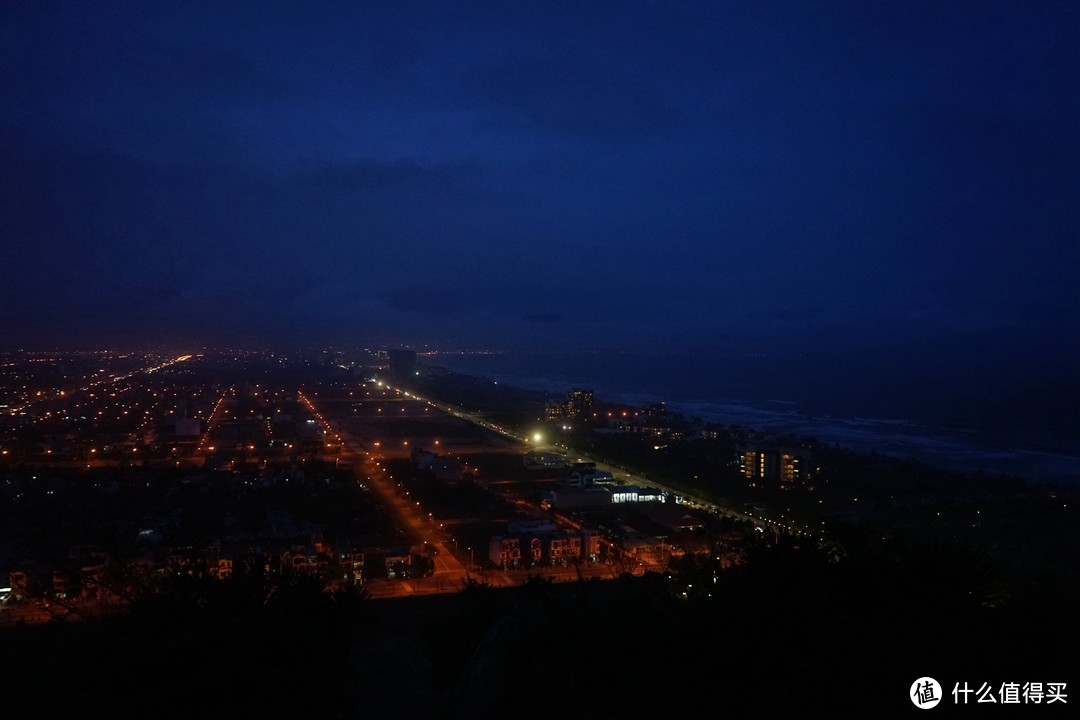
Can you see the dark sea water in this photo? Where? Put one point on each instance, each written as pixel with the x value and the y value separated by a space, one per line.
pixel 997 417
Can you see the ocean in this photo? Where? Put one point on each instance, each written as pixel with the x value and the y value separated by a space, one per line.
pixel 1012 421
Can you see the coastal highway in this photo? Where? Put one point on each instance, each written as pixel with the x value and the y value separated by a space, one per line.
pixel 459 413
pixel 621 473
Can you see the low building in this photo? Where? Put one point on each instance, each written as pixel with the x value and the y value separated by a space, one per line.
pixel 505 551
pixel 590 544
pixel 585 474
pixel 538 460
pixel 634 494
pixel 535 547
pixel 351 564
pixel 563 547
pixel 644 549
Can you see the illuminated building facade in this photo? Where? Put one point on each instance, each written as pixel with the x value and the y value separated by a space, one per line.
pixel 579 403
pixel 777 466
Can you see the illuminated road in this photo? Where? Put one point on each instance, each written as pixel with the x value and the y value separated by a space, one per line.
pixel 407 513
pixel 411 517
pixel 211 424
pixel 369 464
pixel 617 472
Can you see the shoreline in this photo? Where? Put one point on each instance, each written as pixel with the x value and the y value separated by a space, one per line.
pixel 955 449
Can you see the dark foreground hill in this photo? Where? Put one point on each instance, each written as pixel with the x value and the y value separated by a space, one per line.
pixel 793 630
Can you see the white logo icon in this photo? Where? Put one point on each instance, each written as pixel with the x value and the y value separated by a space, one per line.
pixel 925 693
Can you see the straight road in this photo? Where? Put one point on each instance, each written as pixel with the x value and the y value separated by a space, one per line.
pixel 617 472
pixel 407 513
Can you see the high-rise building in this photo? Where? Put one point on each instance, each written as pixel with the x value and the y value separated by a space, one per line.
pixel 781 466
pixel 579 403
pixel 555 410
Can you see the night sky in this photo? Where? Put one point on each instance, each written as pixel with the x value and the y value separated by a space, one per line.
pixel 527 173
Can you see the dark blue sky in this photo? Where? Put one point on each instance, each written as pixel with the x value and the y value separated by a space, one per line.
pixel 622 174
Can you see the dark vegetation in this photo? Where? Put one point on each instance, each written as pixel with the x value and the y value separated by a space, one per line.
pixel 794 629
